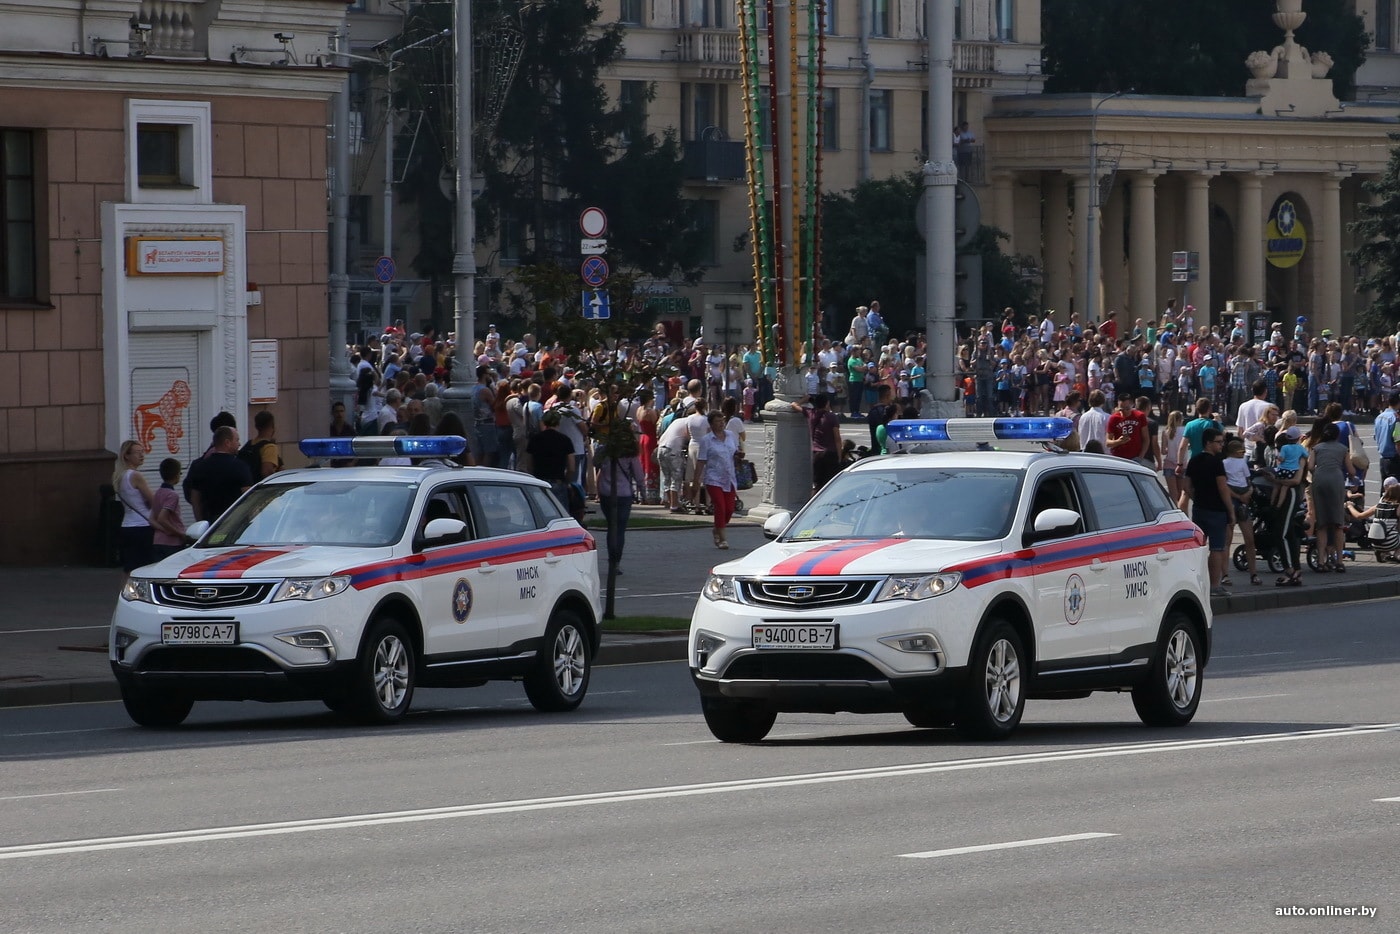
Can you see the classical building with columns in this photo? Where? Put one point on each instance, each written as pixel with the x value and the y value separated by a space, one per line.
pixel 1261 187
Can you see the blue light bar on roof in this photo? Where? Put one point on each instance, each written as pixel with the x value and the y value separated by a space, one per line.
pixel 915 431
pixel 385 446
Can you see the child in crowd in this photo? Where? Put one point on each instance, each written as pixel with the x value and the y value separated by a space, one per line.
pixel 169 526
pixel 750 394
pixel 1290 462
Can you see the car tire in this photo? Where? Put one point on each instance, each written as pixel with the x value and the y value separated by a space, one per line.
pixel 385 675
pixel 157 711
pixel 927 719
pixel 737 721
pixel 994 697
pixel 1171 692
pixel 558 680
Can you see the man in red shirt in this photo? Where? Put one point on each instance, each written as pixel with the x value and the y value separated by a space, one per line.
pixel 1127 430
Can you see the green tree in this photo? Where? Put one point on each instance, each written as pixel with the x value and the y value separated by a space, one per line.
pixel 1378 230
pixel 871 248
pixel 558 144
pixel 1191 47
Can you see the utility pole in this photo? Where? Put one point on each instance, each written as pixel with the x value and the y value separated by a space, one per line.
pixel 940 174
pixel 342 383
pixel 458 397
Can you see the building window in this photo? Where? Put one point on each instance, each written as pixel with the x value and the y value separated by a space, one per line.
pixel 18 236
pixel 1006 20
pixel 632 101
pixel 879 17
pixel 702 109
pixel 881 109
pixel 831 119
pixel 707 223
pixel 829 18
pixel 168 152
pixel 158 163
pixel 631 12
pixel 1385 25
pixel 957 19
pixel 708 13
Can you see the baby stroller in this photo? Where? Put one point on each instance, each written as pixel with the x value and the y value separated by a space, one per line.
pixel 1358 535
pixel 1267 546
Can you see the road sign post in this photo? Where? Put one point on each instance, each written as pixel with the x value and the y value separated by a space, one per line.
pixel 597 305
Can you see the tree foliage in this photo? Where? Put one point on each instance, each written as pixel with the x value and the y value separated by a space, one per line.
pixel 559 145
pixel 1190 47
pixel 1378 230
pixel 871 249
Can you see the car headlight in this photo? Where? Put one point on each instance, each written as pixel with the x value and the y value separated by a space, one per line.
pixel 311 588
pixel 721 587
pixel 918 588
pixel 137 590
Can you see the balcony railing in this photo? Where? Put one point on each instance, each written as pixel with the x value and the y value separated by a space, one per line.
pixel 974 56
pixel 971 160
pixel 714 160
pixel 709 46
pixel 177 27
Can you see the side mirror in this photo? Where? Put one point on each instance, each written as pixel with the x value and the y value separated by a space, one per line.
pixel 1051 521
pixel 774 525
pixel 439 530
pixel 197 530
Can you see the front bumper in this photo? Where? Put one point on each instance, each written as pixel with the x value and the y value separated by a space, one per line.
pixel 259 666
pixel 873 693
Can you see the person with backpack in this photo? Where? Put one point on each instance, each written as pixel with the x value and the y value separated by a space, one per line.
pixel 260 454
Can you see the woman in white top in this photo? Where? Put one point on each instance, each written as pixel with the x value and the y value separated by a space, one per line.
pixel 716 467
pixel 137 534
pixel 1167 443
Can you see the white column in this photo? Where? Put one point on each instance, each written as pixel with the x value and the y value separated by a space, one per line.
pixel 1198 239
pixel 1084 291
pixel 1327 284
pixel 1249 237
pixel 1110 251
pixel 1142 258
pixel 1055 237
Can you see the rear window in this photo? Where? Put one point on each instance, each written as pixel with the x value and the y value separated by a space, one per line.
pixel 1114 499
pixel 1153 495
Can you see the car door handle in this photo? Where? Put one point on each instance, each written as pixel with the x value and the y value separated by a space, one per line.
pixel 551 558
pixel 1163 554
pixel 1097 566
pixel 485 568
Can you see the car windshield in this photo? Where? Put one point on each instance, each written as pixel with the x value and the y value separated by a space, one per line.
pixel 960 504
pixel 328 512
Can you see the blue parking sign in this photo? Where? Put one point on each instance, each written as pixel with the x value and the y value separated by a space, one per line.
pixel 596 306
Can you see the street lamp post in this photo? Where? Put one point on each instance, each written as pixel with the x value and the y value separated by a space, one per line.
pixel 458 397
pixel 1091 272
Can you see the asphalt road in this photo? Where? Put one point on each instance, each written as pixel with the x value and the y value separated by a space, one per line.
pixel 481 815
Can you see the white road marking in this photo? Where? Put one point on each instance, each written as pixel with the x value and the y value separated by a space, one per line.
pixel 59 794
pixel 1251 655
pixel 602 693
pixel 693 742
pixel 320 824
pixel 1221 700
pixel 100 729
pixel 1014 844
pixel 678 593
pixel 16 632
pixel 1387 800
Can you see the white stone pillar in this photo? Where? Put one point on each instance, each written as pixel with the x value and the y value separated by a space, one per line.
pixel 1055 237
pixel 1110 250
pixel 1198 239
pixel 1083 290
pixel 1142 258
pixel 1249 237
pixel 1327 283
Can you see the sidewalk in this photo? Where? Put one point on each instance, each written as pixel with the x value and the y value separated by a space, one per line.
pixel 54 627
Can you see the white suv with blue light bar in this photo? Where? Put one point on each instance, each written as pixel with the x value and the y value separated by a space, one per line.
pixel 357 585
pixel 952 585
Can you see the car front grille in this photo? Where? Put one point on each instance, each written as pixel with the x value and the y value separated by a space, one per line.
pixel 209 595
pixel 199 659
pixel 802 666
pixel 806 593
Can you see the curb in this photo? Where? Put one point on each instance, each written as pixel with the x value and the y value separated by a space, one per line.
pixel 662 648
pixel 671 648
